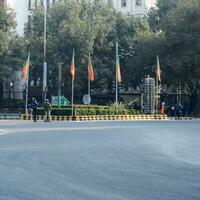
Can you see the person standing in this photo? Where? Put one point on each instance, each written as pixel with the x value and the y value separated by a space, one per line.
pixel 178 110
pixel 34 106
pixel 47 108
pixel 162 108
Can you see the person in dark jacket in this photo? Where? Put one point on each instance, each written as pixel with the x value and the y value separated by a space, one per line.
pixel 178 110
pixel 34 106
pixel 47 108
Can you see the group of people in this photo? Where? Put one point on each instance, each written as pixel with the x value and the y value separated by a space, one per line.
pixel 175 110
pixel 47 109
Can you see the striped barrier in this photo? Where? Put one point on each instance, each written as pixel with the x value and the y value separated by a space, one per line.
pixel 98 117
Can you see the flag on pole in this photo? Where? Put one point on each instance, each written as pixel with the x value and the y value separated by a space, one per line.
pixel 72 70
pixel 118 72
pixel 90 69
pixel 26 68
pixel 158 72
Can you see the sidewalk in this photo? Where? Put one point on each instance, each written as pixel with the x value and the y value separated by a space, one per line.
pixel 184 118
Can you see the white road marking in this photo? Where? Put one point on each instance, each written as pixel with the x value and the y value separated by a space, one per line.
pixel 50 129
pixel 3 132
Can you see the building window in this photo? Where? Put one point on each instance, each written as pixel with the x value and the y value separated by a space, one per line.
pixel 32 4
pixel 41 2
pixel 29 5
pixel 47 1
pixel 138 2
pixel 36 4
pixel 123 3
pixel 110 2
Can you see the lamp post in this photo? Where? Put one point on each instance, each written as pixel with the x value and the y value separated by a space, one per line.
pixel 59 82
pixel 11 90
pixel 45 49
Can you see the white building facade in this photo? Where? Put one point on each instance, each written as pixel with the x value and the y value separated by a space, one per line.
pixel 133 7
pixel 23 8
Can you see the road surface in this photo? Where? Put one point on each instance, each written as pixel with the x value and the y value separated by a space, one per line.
pixel 149 160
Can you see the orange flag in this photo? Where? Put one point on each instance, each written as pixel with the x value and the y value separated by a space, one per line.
pixel 118 71
pixel 90 69
pixel 158 72
pixel 26 69
pixel 72 70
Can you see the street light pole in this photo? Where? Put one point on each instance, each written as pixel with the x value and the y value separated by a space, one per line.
pixel 45 49
pixel 59 83
pixel 116 84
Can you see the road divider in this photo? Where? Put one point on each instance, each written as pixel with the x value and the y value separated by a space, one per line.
pixel 98 117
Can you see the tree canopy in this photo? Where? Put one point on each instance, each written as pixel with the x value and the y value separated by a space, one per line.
pixel 170 30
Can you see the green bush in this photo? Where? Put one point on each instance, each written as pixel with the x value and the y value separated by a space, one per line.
pixel 113 109
pixel 12 104
pixel 118 109
pixel 55 111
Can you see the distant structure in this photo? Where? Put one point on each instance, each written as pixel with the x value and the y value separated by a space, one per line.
pixel 23 8
pixel 2 2
pixel 149 96
pixel 133 7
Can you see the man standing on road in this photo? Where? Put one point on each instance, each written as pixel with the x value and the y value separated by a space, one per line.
pixel 34 106
pixel 178 110
pixel 47 108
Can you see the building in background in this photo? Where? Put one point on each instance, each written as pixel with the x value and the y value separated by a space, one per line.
pixel 23 8
pixel 133 7
pixel 2 2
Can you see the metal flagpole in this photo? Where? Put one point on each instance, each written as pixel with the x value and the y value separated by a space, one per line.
pixel 27 82
pixel 156 99
pixel 89 77
pixel 72 97
pixel 26 109
pixel 45 49
pixel 88 84
pixel 116 95
pixel 59 83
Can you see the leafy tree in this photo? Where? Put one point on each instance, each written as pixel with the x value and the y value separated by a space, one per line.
pixel 11 46
pixel 178 22
pixel 69 26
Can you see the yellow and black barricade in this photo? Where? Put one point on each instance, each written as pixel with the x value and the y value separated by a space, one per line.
pixel 97 117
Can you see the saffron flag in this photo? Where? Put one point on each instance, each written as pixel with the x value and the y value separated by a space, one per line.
pixel 118 72
pixel 72 70
pixel 158 72
pixel 90 69
pixel 26 69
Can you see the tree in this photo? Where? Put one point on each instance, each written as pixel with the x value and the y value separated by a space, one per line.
pixel 11 46
pixel 69 26
pixel 178 21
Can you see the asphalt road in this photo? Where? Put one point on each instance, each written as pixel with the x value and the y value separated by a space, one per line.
pixel 100 160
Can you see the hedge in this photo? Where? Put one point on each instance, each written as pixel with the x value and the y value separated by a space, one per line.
pixel 89 111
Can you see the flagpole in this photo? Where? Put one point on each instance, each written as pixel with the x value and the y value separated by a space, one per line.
pixel 88 84
pixel 89 77
pixel 156 99
pixel 27 83
pixel 116 89
pixel 45 50
pixel 26 106
pixel 157 84
pixel 72 70
pixel 72 97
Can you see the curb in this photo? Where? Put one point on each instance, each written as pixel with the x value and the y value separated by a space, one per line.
pixel 183 118
pixel 98 117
